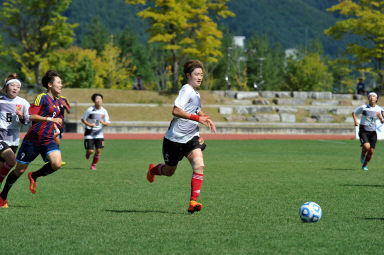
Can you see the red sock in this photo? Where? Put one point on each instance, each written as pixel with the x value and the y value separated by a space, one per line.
pixel 156 170
pixel 197 180
pixel 368 158
pixel 95 159
pixel 4 170
pixel 363 152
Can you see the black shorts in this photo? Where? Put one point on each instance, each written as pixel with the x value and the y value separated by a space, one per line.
pixel 173 152
pixel 368 137
pixel 4 146
pixel 90 144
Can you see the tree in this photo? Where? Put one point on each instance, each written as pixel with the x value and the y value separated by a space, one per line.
pixel 308 73
pixel 364 19
pixel 185 29
pixel 96 37
pixel 37 29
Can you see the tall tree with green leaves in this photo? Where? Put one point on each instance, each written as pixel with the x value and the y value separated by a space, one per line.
pixel 96 37
pixel 37 28
pixel 364 18
pixel 185 28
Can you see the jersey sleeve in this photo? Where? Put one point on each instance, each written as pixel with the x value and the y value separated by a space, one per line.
pixel 183 98
pixel 86 114
pixel 106 117
pixel 37 104
pixel 26 107
pixel 359 109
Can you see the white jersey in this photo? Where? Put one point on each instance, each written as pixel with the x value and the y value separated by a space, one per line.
pixel 93 115
pixel 10 123
pixel 182 130
pixel 368 116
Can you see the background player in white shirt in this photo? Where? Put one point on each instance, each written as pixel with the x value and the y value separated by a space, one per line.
pixel 182 138
pixel 95 118
pixel 13 114
pixel 367 128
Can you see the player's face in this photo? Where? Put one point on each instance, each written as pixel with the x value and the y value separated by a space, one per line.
pixel 13 90
pixel 56 86
pixel 195 78
pixel 372 99
pixel 98 101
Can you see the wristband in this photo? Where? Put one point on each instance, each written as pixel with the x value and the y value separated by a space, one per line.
pixel 49 119
pixel 194 117
pixel 57 131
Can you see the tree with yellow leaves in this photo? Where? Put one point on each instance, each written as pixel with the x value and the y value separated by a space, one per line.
pixel 186 29
pixel 364 18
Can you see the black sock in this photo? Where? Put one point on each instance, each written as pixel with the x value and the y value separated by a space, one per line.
pixel 45 170
pixel 11 179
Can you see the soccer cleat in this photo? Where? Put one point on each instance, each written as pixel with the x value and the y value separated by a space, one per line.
pixel 93 167
pixel 194 206
pixel 63 163
pixel 32 183
pixel 150 177
pixel 362 159
pixel 365 168
pixel 3 203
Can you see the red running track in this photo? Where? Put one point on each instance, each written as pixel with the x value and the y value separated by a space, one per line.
pixel 126 136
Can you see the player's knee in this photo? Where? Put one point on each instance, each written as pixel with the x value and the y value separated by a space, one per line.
pixel 56 165
pixel 198 165
pixel 11 162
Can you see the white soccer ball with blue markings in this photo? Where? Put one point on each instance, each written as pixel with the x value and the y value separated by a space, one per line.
pixel 310 212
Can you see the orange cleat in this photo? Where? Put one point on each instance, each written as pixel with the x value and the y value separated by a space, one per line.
pixel 3 203
pixel 32 183
pixel 150 177
pixel 194 206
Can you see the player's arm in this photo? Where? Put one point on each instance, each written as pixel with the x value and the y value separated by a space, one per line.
pixel 355 119
pixel 67 107
pixel 205 120
pixel 87 123
pixel 38 118
pixel 380 116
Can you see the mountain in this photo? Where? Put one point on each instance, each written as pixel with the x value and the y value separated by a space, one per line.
pixel 291 23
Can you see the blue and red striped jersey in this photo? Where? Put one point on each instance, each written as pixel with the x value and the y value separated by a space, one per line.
pixel 41 133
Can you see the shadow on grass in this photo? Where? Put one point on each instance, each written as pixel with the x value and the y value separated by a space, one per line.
pixel 363 185
pixel 339 169
pixel 73 168
pixel 371 218
pixel 142 211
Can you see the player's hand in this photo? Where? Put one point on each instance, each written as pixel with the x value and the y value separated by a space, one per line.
pixel 206 121
pixel 20 114
pixel 57 121
pixel 92 125
pixel 103 123
pixel 356 124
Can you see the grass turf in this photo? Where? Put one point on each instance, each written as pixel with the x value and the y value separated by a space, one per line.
pixel 251 193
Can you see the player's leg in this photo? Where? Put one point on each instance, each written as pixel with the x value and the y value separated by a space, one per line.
pixel 370 147
pixel 9 160
pixel 99 144
pixel 195 157
pixel 172 154
pixel 52 156
pixel 11 179
pixel 88 145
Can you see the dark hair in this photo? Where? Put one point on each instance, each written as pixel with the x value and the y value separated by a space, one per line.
pixel 192 65
pixel 96 95
pixel 49 77
pixel 11 76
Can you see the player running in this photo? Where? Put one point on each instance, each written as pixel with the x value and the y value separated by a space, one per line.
pixel 40 137
pixel 13 114
pixel 182 138
pixel 367 129
pixel 94 119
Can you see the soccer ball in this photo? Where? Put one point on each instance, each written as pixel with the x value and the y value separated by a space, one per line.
pixel 310 212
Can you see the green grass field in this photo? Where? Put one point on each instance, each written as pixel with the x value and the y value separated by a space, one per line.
pixel 252 192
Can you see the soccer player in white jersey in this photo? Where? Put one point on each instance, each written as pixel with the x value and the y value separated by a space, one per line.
pixel 13 114
pixel 182 138
pixel 367 128
pixel 94 119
